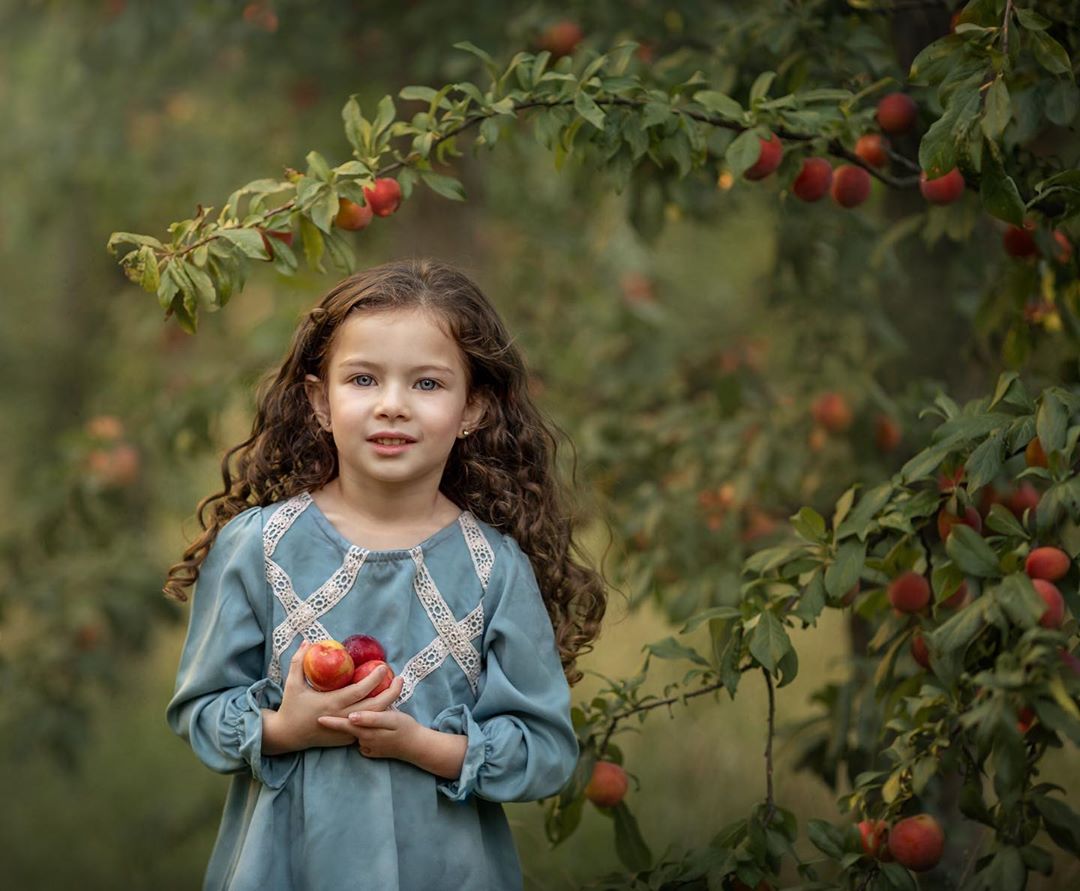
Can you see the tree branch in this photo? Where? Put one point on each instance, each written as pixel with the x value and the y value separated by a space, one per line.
pixel 769 801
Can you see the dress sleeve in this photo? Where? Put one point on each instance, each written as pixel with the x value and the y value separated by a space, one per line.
pixel 521 741
pixel 220 684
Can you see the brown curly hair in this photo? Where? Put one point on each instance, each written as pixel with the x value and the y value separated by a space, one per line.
pixel 504 473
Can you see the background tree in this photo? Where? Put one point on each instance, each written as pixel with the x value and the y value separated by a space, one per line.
pixel 710 327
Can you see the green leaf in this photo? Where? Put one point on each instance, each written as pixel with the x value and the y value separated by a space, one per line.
pixel 999 194
pixel 588 109
pixel 1062 102
pixel 811 601
pixel 937 150
pixel 828 839
pixel 1001 519
pixel 933 62
pixel 325 209
pixel 760 87
pixel 954 635
pixel 844 571
pixel 447 186
pixel 489 63
pixel 670 648
pixel 249 241
pixel 312 239
pixel 1051 422
pixel 1049 53
pixel 150 277
pixel 1031 19
pixel 1019 599
pixel 971 553
pixel 418 94
pixel 118 238
pixel 317 166
pixel 357 130
pixel 809 524
pixel 843 507
pixel 1061 821
pixel 743 152
pixel 985 462
pixel 769 641
pixel 629 843
pixel 996 110
pixel 707 615
pixel 859 520
pixel 720 103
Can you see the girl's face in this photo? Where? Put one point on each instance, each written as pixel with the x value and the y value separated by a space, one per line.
pixel 395 398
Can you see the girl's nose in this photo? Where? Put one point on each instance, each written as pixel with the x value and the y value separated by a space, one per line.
pixel 393 403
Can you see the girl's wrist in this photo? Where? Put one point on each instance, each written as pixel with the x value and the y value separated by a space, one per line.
pixel 272 732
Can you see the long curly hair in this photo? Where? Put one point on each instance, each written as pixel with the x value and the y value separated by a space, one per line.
pixel 504 473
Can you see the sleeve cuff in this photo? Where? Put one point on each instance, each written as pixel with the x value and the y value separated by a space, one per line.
pixel 458 719
pixel 270 770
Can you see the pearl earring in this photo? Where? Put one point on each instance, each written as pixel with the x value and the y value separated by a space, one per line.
pixel 464 432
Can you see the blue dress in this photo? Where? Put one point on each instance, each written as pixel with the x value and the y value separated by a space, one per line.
pixel 462 620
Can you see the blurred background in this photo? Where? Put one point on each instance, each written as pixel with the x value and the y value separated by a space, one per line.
pixel 673 306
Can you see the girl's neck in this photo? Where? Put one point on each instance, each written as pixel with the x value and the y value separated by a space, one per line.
pixel 362 506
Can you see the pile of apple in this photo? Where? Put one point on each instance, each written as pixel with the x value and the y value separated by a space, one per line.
pixel 330 665
pixel 914 842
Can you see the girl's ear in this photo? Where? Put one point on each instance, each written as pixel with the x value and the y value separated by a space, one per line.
pixel 320 405
pixel 476 412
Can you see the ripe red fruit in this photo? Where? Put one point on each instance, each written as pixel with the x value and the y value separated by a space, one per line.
pixel 1070 661
pixel 896 113
pixel 384 198
pixel 362 671
pixel 947 481
pixel 1054 614
pixel 285 236
pixel 327 666
pixel 352 216
pixel 917 842
pixel 363 648
pixel 874 835
pixel 561 38
pixel 909 592
pixel 608 784
pixel 1023 497
pixel 105 427
pixel 850 185
pixel 920 650
pixel 813 180
pixel 873 149
pixel 886 433
pixel 946 521
pixel 772 150
pixel 831 411
pixel 1047 563
pixel 1064 254
pixel 116 466
pixel 1019 242
pixel 1026 718
pixel 942 189
pixel 1034 455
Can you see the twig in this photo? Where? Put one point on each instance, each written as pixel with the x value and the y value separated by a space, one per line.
pixel 1005 29
pixel 770 803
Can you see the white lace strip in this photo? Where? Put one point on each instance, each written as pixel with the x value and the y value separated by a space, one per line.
pixel 435 653
pixel 282 519
pixel 447 627
pixel 483 557
pixel 302 616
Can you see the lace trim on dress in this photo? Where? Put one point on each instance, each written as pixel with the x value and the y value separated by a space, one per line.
pixel 452 634
pixel 435 653
pixel 483 557
pixel 302 616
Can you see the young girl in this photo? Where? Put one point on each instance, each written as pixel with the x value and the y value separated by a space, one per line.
pixel 398 482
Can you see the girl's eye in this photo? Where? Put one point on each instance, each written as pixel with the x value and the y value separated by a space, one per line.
pixel 426 383
pixel 365 380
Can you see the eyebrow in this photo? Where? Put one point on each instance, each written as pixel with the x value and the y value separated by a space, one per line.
pixel 375 366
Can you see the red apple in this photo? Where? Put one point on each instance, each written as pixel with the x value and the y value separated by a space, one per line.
pixel 1047 563
pixel 1064 252
pixel 117 466
pixel 909 592
pixel 106 427
pixel 813 180
pixel 1019 242
pixel 384 198
pixel 608 784
pixel 917 842
pixel 352 216
pixel 362 671
pixel 944 189
pixel 1054 614
pixel 1026 718
pixel 873 149
pixel 1035 455
pixel 887 433
pixel 919 649
pixel 769 157
pixel 363 648
pixel 896 113
pixel 1023 497
pixel 831 411
pixel 958 598
pixel 946 521
pixel 874 835
pixel 327 665
pixel 850 185
pixel 561 38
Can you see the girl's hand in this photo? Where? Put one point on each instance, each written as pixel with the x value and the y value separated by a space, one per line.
pixel 295 725
pixel 380 734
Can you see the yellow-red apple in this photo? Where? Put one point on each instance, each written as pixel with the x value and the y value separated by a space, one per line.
pixel 352 216
pixel 384 197
pixel 327 665
pixel 769 155
pixel 1047 563
pixel 608 784
pixel 917 842
pixel 1054 614
pixel 362 671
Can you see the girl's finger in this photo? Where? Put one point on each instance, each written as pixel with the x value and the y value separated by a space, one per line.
pixel 332 723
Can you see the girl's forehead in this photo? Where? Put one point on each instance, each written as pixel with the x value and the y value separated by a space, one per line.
pixel 394 334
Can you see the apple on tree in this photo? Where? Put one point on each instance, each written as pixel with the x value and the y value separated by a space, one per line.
pixel 608 784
